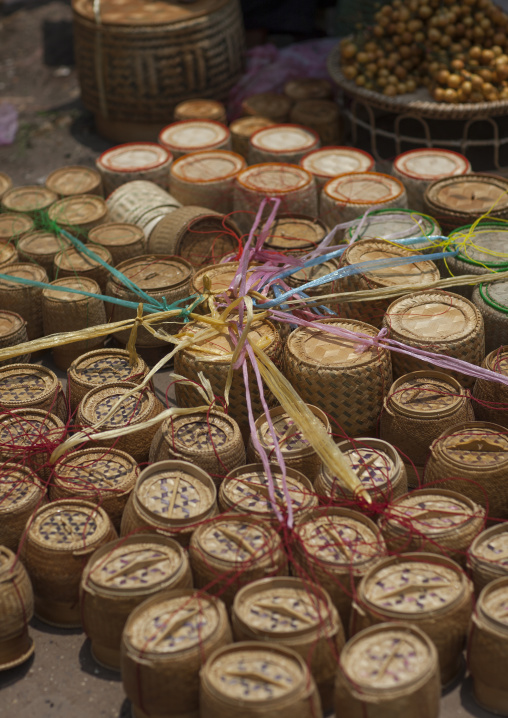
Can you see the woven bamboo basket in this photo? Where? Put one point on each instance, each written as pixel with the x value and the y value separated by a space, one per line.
pixel 67 311
pixel 294 613
pixel 490 398
pixel 417 274
pixel 24 299
pixel 164 278
pixel 60 538
pixel 297 451
pixel 322 116
pixel 439 322
pixel 348 386
pixel 8 256
pixel 334 547
pixel 134 161
pixel 170 498
pixel 5 183
pixel 488 647
pixel 189 136
pixel 31 200
pixel 17 608
pixel 206 179
pixel 103 477
pixel 215 366
pixel 99 367
pixel 378 467
pixel 491 301
pixel 432 520
pixel 487 557
pixel 12 332
pixel 200 110
pixel 14 225
pixel 200 236
pixel 308 88
pixel 348 196
pixel 294 234
pixel 246 491
pixel 21 493
pixel 142 203
pixel 456 201
pixel 294 186
pixel 277 684
pixel 442 609
pixel 122 240
pixel 72 263
pixel 30 386
pixel 42 247
pixel 471 458
pixel 419 407
pixel 242 130
pixel 417 169
pixel 210 440
pixel 119 577
pixel 394 224
pixel 271 105
pixel 219 278
pixel 79 213
pixel 281 143
pixel 482 249
pixel 134 409
pixel 388 671
pixel 180 52
pixel 308 274
pixel 75 179
pixel 165 643
pixel 329 161
pixel 231 551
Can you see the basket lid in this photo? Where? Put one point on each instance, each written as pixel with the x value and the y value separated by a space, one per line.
pixel 291 232
pixel 26 383
pixel 14 225
pixel 469 195
pixel 137 12
pixel 375 463
pixel 290 439
pixel 497 360
pixel 388 657
pixel 104 366
pixel 8 255
pixel 307 274
pixel 28 199
pixel 69 525
pixel 237 540
pixel 395 224
pixel 431 164
pixel 200 110
pixel 323 349
pixel 280 139
pixel 491 548
pixel 72 260
pixel 193 135
pixel 432 512
pixel 220 348
pixel 485 245
pixel 328 162
pixel 202 432
pixel 116 234
pixel 274 177
pixel 10 323
pixel 154 273
pixel 493 604
pixel 364 188
pixel 73 180
pixel 433 317
pixel 496 294
pixel 212 166
pixel 475 444
pixel 58 295
pixel 246 126
pixel 20 489
pixel 5 183
pixel 419 273
pixel 88 471
pixel 24 270
pixel 78 209
pixel 134 157
pixel 220 276
pixel 308 88
pixel 25 427
pixel 425 395
pixel 133 409
pixel 44 244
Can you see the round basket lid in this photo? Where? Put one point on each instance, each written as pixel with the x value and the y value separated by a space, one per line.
pixel 69 525
pixel 58 295
pixel 246 490
pixel 133 410
pixel 491 548
pixel 395 224
pixel 376 466
pixel 26 427
pixel 26 383
pixel 425 395
pixel 90 471
pixel 193 135
pixel 493 604
pixel 289 437
pixel 329 162
pixel 220 276
pixel 418 274
pixel 136 12
pixel 498 361
pixel 237 540
pixel 8 255
pixel 486 245
pixel 105 366
pixel 20 489
pixel 408 587
pixel 28 199
pixel 295 233
pixel 323 349
pixel 43 244
pixel 14 225
pixel 280 139
pixel 432 512
pixel 496 294
pixel 364 188
pixel 203 167
pixel 221 347
pixel 388 657
pixel 134 157
pixel 274 177
pixel 201 432
pixel 116 234
pixel 73 180
pixel 470 195
pixel 10 323
pixel 71 260
pixel 246 126
pixel 135 564
pixel 26 271
pixel 154 273
pixel 78 209
pixel 200 110
pixel 475 445
pixel 431 164
pixel 5 183
pixel 307 274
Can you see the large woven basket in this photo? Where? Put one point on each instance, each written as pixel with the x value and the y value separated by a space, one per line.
pixel 30 386
pixel 16 610
pixel 14 225
pixel 491 397
pixel 12 332
pixel 24 299
pixel 282 143
pixel 42 247
pixel 492 302
pixel 21 493
pixel 487 556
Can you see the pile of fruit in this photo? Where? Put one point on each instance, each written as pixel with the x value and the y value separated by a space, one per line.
pixel 459 51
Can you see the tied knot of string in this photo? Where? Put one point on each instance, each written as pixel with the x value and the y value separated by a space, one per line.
pixel 374 341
